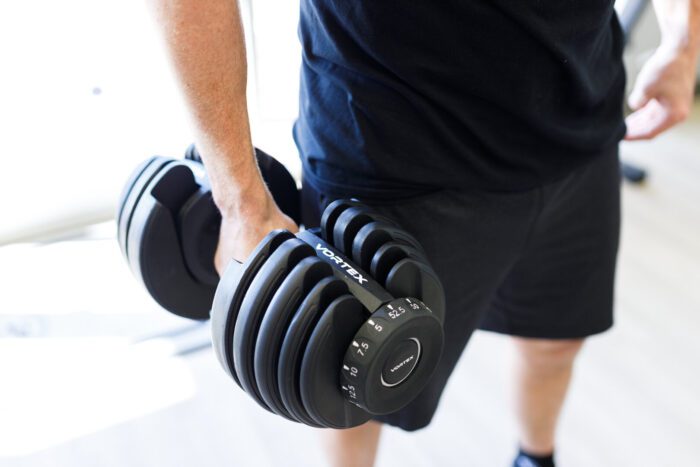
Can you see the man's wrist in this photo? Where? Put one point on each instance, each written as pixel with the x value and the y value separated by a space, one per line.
pixel 682 45
pixel 248 200
pixel 237 185
pixel 680 27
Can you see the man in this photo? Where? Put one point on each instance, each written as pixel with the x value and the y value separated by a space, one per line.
pixel 489 129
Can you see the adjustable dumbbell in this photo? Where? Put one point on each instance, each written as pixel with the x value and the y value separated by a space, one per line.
pixel 168 227
pixel 327 328
pixel 311 336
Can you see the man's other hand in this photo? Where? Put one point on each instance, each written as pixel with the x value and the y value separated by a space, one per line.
pixel 663 93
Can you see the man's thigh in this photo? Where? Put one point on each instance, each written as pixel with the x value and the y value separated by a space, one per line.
pixel 561 286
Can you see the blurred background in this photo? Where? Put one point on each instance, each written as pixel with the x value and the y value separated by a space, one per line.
pixel 93 373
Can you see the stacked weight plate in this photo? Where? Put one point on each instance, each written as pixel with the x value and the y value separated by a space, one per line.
pixel 314 337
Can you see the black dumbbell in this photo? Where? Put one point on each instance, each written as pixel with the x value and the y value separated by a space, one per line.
pixel 168 227
pixel 313 337
pixel 327 327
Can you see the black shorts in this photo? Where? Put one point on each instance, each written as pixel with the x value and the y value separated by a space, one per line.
pixel 538 263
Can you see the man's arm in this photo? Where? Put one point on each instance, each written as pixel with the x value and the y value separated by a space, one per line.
pixel 663 93
pixel 206 45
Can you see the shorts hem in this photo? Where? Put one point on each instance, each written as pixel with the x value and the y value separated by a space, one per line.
pixel 551 333
pixel 403 425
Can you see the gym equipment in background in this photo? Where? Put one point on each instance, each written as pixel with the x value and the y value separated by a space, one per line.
pixel 327 327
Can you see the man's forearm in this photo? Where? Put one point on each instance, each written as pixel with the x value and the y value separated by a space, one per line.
pixel 679 21
pixel 206 44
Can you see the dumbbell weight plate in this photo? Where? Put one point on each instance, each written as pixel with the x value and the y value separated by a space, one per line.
pixel 375 234
pixel 296 339
pixel 153 246
pixel 133 190
pixel 389 255
pixel 200 223
pixel 330 216
pixel 349 224
pixel 411 278
pixel 192 154
pixel 274 323
pixel 229 295
pixel 129 185
pixel 255 302
pixel 321 365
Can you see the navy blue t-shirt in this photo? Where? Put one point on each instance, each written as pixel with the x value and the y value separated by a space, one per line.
pixel 400 97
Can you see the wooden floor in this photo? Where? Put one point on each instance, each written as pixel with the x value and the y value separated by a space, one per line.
pixel 93 374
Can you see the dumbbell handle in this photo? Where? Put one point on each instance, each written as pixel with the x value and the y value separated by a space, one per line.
pixel 367 290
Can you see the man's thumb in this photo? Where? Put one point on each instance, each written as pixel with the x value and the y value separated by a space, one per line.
pixel 639 97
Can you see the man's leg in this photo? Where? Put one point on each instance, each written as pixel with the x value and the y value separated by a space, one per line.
pixel 354 447
pixel 543 372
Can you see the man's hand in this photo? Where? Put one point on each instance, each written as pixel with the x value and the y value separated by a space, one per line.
pixel 241 233
pixel 663 93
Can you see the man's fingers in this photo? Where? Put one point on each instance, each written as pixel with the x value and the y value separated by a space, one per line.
pixel 649 121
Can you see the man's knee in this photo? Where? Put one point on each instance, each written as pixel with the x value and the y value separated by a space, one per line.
pixel 547 355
